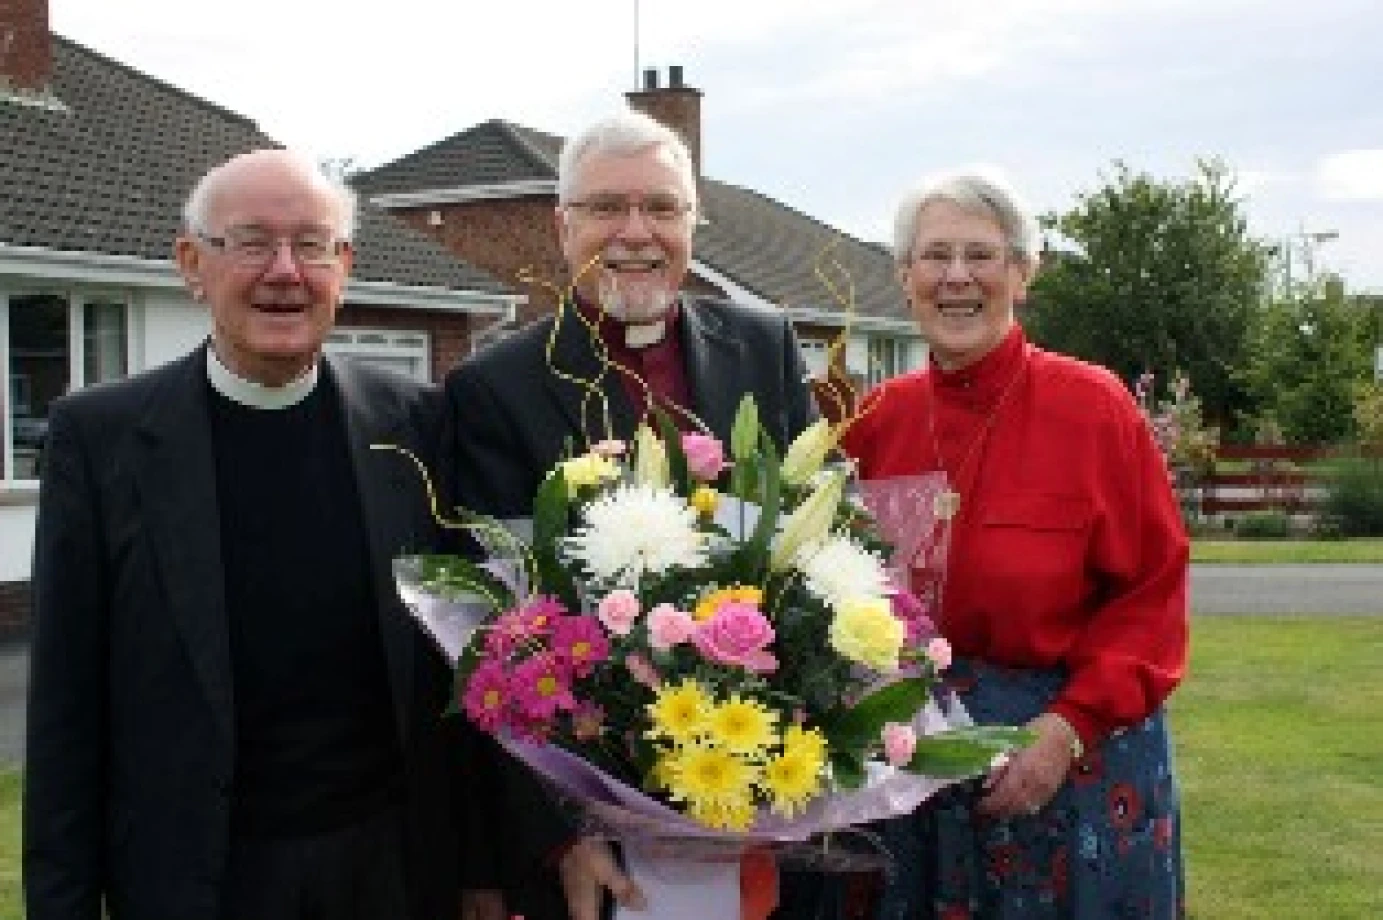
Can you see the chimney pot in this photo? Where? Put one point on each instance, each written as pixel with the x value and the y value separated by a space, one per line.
pixel 650 78
pixel 674 76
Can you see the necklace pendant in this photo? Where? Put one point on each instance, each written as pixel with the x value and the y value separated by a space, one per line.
pixel 946 504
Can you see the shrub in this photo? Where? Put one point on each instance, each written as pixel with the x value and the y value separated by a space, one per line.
pixel 1354 499
pixel 1271 524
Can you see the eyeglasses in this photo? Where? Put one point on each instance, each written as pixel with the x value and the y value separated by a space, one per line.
pixel 254 248
pixel 979 261
pixel 660 209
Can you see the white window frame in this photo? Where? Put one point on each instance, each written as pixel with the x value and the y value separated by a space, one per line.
pixel 76 354
pixel 390 344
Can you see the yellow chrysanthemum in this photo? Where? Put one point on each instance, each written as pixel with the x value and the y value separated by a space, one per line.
pixel 734 815
pixel 705 500
pixel 705 773
pixel 792 780
pixel 808 742
pixel 742 726
pixel 679 712
pixel 711 602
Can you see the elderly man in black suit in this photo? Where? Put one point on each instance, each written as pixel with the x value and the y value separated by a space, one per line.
pixel 627 207
pixel 231 715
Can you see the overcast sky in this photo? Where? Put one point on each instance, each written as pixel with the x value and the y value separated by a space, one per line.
pixel 833 108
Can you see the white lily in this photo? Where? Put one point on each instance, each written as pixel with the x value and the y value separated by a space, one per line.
pixel 810 522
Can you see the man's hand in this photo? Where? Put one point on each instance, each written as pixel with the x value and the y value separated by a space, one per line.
pixel 482 904
pixel 588 867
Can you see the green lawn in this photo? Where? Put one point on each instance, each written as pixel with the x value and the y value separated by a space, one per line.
pixel 1271 551
pixel 1279 734
pixel 9 845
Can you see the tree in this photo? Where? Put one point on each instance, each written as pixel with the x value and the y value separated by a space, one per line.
pixel 1308 355
pixel 1166 277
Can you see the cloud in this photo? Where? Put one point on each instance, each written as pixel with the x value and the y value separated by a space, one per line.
pixel 1351 175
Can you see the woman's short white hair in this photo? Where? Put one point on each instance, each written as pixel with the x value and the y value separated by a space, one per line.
pixel 196 211
pixel 977 190
pixel 623 134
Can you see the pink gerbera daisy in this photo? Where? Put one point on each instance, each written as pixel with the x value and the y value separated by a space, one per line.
pixel 540 688
pixel 485 696
pixel 579 643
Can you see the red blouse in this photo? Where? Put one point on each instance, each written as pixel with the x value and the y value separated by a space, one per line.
pixel 1068 549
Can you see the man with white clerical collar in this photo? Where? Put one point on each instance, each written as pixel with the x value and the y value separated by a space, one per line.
pixel 231 715
pixel 626 211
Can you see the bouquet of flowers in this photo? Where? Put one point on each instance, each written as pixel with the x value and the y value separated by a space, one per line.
pixel 704 648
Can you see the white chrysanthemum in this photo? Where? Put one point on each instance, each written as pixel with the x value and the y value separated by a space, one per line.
pixel 635 530
pixel 838 568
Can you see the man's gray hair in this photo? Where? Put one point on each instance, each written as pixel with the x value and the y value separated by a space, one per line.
pixel 196 211
pixel 977 190
pixel 623 134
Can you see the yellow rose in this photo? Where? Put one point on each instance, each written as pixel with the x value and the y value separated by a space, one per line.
pixel 587 470
pixel 865 630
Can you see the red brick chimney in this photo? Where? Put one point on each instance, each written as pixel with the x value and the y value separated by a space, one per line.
pixel 677 105
pixel 26 48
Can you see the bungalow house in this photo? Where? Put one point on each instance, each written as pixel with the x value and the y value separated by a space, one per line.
pixel 95 161
pixel 487 193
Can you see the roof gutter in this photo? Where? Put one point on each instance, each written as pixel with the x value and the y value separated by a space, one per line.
pixel 60 267
pixel 521 188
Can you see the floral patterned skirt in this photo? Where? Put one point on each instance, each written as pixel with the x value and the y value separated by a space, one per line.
pixel 1107 847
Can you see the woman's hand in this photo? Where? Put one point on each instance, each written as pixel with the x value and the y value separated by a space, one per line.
pixel 1029 779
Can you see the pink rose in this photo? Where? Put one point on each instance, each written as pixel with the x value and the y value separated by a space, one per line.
pixel 705 456
pixel 642 670
pixel 939 652
pixel 737 635
pixel 899 743
pixel 668 626
pixel 618 610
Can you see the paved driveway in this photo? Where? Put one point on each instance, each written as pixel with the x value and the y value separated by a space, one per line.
pixel 1277 589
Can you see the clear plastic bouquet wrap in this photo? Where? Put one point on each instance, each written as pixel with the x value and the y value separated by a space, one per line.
pixel 705 652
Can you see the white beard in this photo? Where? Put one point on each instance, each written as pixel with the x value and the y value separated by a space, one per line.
pixel 634 302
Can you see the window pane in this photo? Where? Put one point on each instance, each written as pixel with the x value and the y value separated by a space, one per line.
pixel 38 373
pixel 103 335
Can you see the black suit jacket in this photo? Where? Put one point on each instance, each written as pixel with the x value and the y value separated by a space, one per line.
pixel 130 748
pixel 512 418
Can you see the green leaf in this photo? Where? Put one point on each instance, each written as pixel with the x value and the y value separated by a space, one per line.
pixel 550 510
pixel 770 504
pixel 861 725
pixel 847 770
pixel 676 456
pixel 744 435
pixel 965 751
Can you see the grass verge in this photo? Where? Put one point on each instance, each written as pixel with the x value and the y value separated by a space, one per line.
pixel 1284 551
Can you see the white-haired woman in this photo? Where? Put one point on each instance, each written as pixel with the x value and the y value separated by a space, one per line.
pixel 1064 597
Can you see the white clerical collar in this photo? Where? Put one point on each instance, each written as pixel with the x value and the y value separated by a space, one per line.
pixel 642 335
pixel 256 395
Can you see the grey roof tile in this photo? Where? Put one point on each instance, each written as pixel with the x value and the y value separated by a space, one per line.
pixel 109 175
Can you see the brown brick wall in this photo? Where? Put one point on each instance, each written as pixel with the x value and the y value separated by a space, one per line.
pixel 26 52
pixel 450 333
pixel 506 238
pixel 14 610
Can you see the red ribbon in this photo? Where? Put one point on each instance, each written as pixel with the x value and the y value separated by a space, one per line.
pixel 758 885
